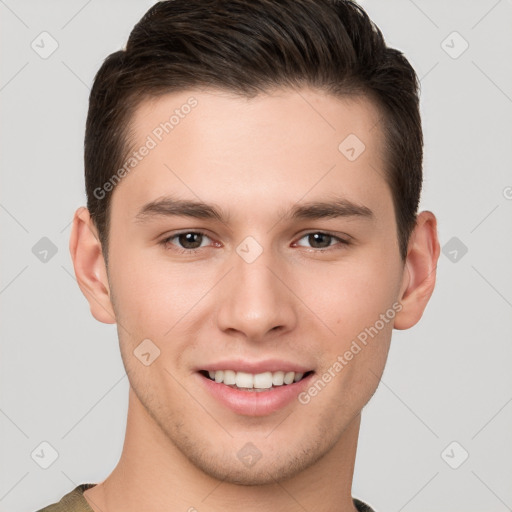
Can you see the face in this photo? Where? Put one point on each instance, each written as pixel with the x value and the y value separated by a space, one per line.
pixel 289 270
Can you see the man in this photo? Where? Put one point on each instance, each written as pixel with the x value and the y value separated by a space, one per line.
pixel 253 172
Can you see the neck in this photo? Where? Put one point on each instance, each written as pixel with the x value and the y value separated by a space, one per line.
pixel 152 474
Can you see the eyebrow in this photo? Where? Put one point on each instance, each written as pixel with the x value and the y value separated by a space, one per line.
pixel 169 207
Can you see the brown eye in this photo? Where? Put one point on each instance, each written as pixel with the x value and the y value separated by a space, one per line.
pixel 320 240
pixel 186 241
pixel 190 240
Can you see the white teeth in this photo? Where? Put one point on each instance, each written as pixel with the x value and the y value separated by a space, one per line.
pixel 244 380
pixel 263 380
pixel 229 377
pixel 278 378
pixel 288 377
pixel 259 381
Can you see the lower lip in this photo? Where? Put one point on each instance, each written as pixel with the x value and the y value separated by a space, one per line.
pixel 255 403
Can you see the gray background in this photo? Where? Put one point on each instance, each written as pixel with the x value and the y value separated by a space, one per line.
pixel 447 379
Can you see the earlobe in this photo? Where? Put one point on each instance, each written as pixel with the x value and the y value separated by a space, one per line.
pixel 420 271
pixel 89 265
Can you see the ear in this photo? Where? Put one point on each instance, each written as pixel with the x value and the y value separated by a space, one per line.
pixel 89 265
pixel 419 275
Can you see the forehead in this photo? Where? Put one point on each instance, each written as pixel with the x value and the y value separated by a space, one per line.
pixel 252 152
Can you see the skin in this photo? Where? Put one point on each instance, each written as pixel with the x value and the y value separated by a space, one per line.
pixel 300 301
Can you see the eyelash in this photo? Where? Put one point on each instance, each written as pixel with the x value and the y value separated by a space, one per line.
pixel 167 241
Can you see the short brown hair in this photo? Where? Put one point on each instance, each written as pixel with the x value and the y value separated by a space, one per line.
pixel 249 47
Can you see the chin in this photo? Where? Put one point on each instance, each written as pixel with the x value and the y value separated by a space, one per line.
pixel 270 468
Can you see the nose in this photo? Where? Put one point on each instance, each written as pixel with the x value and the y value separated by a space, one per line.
pixel 253 302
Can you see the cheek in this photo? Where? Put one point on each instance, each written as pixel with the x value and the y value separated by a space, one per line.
pixel 152 296
pixel 350 297
pixel 356 302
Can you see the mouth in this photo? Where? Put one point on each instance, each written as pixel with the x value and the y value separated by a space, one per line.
pixel 255 382
pixel 254 388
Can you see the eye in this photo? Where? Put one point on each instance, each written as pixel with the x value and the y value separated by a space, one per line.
pixel 186 241
pixel 320 240
pixel 191 241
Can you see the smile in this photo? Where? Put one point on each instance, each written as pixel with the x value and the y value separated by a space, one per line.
pixel 254 382
pixel 254 394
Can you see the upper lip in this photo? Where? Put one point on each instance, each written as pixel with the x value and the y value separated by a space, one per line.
pixel 255 367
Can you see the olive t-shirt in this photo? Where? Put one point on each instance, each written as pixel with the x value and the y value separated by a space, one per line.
pixel 74 501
